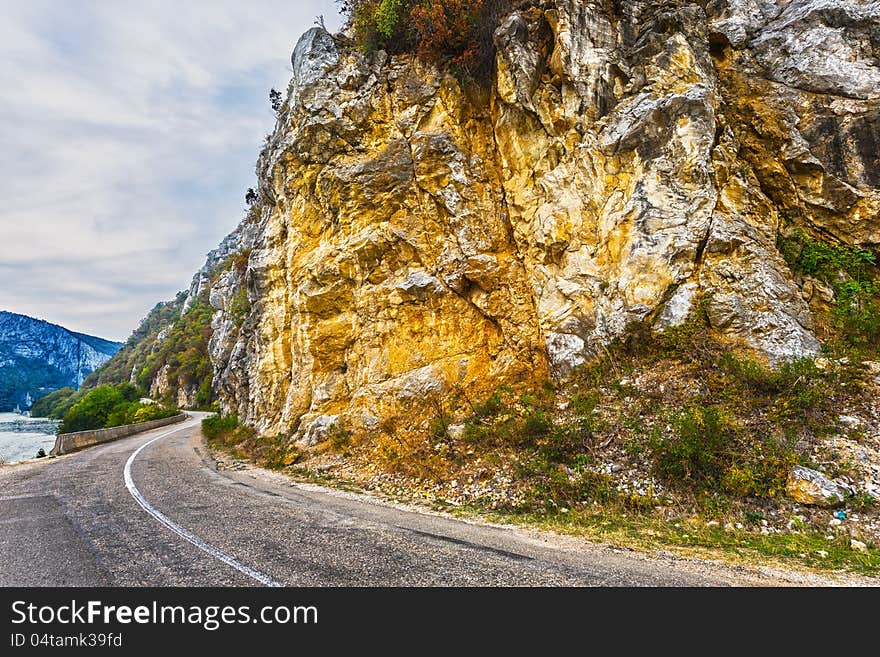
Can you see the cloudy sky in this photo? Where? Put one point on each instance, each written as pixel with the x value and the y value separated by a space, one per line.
pixel 129 135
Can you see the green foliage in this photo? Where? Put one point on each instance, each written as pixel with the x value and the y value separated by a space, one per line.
pixel 492 406
pixel 217 426
pixel 339 436
pixel 138 346
pixel 205 394
pixel 536 425
pixel 454 32
pixel 851 272
pixel 555 487
pixel 55 404
pixel 379 24
pixel 111 406
pixel 707 451
pixel 825 260
pixel 274 451
pixel 134 413
pixel 438 427
pixel 567 444
pixel 238 262
pixel 92 411
pixel 387 17
pixel 698 453
pixel 689 342
pixel 227 433
pixel 183 349
pixel 240 307
pixel 799 380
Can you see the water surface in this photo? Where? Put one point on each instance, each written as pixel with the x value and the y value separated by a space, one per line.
pixel 21 436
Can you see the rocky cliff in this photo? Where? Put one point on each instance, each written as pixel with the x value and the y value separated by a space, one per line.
pixel 37 357
pixel 167 355
pixel 630 162
pixel 628 166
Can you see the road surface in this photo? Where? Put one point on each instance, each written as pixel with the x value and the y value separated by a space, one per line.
pixel 153 510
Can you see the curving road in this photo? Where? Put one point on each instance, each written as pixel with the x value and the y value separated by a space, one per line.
pixel 153 510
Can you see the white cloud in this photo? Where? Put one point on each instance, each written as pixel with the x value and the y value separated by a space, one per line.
pixel 129 132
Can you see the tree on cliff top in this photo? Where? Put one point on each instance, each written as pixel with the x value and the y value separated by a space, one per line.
pixel 453 32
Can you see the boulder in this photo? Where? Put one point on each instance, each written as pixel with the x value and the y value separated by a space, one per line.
pixel 812 487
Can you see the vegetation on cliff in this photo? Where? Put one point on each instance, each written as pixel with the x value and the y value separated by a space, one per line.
pixel 225 432
pixel 168 352
pixel 850 314
pixel 127 365
pixel 183 354
pixel 457 33
pixel 676 435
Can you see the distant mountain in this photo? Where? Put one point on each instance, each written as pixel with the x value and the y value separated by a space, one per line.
pixel 37 357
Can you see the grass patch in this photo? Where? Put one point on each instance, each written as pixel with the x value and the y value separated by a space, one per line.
pixel 694 537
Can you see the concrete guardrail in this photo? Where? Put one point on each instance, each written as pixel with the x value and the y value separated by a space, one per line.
pixel 65 443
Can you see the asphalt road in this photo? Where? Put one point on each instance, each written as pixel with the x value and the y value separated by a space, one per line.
pixel 153 510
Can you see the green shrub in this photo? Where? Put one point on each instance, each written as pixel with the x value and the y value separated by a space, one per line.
pixel 438 427
pixel 454 32
pixel 92 411
pixel 493 405
pixel 184 350
pixel 707 452
pixel 272 451
pixel 339 436
pixel 240 307
pixel 136 412
pixel 227 433
pixel 111 406
pixel 797 391
pixel 762 470
pixel 387 16
pixel 205 393
pixel 536 425
pixel 55 404
pixel 825 260
pixel 697 454
pixel 380 24
pixel 216 426
pixel 567 444
pixel 851 272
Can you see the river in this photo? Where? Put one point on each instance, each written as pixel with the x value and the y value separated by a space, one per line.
pixel 21 436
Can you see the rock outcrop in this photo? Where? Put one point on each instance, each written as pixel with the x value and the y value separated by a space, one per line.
pixel 812 487
pixel 417 237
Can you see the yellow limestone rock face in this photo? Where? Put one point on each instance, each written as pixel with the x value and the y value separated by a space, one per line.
pixel 417 239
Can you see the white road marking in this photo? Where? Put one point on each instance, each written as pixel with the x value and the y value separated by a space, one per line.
pixel 180 531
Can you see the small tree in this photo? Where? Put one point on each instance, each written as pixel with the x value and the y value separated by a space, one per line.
pixel 458 32
pixel 275 100
pixel 250 197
